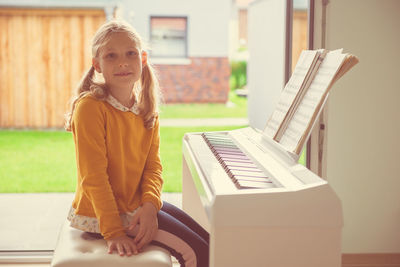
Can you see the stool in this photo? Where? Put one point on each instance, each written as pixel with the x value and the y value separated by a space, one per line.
pixel 76 248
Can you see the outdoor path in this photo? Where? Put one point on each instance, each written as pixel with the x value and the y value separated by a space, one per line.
pixel 36 218
pixel 205 122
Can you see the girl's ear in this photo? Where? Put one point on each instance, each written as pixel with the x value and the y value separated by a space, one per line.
pixel 96 65
pixel 144 58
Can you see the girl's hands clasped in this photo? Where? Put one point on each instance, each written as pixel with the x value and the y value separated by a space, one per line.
pixel 146 219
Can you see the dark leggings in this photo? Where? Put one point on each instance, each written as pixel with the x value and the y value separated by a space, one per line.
pixel 183 237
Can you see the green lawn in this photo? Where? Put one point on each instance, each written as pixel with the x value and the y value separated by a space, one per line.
pixel 44 161
pixel 236 108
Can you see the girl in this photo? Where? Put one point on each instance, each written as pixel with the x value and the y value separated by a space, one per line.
pixel 115 127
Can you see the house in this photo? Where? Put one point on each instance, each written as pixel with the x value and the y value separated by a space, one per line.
pixel 188 44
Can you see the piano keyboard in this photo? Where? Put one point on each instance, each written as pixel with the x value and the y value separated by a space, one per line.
pixel 240 168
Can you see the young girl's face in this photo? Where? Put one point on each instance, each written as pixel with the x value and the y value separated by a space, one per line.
pixel 120 62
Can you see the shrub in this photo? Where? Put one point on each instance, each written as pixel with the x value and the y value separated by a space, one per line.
pixel 238 74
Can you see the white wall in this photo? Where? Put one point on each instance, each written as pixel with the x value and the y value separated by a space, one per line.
pixel 266 65
pixel 363 134
pixel 208 22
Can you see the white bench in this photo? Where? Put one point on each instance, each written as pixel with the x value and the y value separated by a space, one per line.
pixel 76 248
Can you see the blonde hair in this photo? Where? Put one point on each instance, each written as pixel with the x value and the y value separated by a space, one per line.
pixel 147 88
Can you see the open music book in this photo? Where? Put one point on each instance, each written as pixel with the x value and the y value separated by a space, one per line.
pixel 304 95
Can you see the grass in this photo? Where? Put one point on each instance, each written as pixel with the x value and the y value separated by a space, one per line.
pixel 35 161
pixel 236 108
pixel 44 161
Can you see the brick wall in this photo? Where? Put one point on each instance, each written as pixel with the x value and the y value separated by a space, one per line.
pixel 206 79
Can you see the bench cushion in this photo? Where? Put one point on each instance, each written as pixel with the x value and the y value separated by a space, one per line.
pixel 76 248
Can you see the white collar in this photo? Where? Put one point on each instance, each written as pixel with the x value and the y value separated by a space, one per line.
pixel 116 104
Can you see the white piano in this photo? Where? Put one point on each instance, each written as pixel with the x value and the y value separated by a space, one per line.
pixel 259 205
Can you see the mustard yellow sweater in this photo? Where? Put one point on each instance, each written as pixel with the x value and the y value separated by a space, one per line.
pixel 118 163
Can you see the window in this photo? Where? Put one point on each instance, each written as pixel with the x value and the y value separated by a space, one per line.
pixel 168 36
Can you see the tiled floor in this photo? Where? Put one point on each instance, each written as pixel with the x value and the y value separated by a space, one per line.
pixel 32 221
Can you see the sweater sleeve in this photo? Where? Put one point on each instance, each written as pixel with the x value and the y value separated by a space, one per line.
pixel 89 133
pixel 151 184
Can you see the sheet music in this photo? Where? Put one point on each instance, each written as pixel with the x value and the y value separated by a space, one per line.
pixel 295 83
pixel 300 123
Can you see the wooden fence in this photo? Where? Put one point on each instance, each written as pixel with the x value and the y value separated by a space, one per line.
pixel 43 54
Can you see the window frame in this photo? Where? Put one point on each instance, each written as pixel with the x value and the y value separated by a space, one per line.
pixel 185 54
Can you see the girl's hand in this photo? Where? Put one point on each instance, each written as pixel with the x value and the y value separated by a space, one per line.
pixel 146 217
pixel 123 245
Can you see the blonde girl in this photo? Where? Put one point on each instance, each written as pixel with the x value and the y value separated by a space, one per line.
pixel 115 127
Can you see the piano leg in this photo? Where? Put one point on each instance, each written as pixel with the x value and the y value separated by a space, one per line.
pixel 191 200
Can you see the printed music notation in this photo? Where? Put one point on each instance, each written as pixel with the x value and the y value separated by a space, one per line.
pixel 295 84
pixel 303 97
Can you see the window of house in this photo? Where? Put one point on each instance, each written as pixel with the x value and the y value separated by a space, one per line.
pixel 168 36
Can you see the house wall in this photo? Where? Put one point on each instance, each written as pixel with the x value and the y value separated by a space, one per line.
pixel 266 65
pixel 204 75
pixel 363 124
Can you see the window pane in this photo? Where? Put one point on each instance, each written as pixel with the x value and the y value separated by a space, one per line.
pixel 168 37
